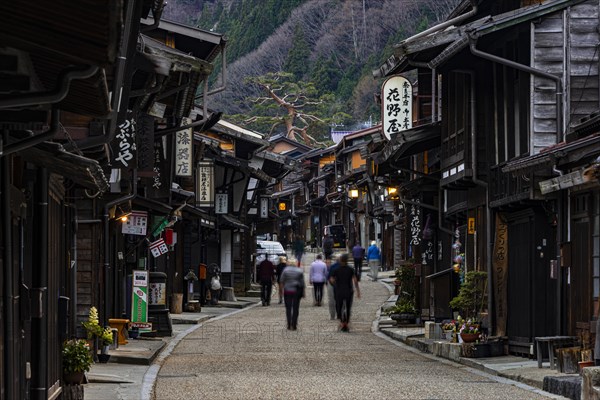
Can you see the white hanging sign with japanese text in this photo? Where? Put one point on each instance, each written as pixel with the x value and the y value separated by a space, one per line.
pixel 264 207
pixel 204 184
pixel 221 203
pixel 158 248
pixel 396 106
pixel 183 150
pixel 136 224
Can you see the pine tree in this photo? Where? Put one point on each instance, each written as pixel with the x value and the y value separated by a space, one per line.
pixel 297 59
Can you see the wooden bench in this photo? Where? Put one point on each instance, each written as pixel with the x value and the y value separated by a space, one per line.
pixel 552 343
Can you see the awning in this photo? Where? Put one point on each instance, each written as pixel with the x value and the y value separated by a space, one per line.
pixel 410 142
pixel 286 192
pixel 562 153
pixel 206 220
pixel 152 205
pixel 231 222
pixel 81 170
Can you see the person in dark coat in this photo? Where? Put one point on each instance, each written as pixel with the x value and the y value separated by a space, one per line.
pixel 278 271
pixel 266 275
pixel 358 253
pixel 328 249
pixel 292 280
pixel 345 281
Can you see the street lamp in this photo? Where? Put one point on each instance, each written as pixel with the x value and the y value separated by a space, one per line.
pixel 354 193
pixel 392 192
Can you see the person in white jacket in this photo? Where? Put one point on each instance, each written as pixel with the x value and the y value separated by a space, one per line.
pixel 317 278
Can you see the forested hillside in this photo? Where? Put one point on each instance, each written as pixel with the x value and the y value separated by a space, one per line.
pixel 334 44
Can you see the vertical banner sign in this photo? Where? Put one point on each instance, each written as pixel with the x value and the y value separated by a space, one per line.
pixel 204 184
pixel 396 106
pixel 264 207
pixel 159 185
pixel 415 228
pixel 500 264
pixel 124 146
pixel 139 301
pixel 221 203
pixel 183 150
pixel 145 143
pixel 137 223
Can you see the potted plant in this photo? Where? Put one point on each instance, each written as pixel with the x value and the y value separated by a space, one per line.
pixel 94 330
pixel 468 330
pixel 472 296
pixel 403 312
pixel 76 360
pixel 107 340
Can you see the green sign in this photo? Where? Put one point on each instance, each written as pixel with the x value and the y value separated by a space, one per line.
pixel 139 301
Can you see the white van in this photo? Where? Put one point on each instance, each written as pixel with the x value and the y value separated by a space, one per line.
pixel 271 250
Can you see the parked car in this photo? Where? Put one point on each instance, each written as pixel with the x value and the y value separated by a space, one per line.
pixel 338 234
pixel 267 248
pixel 270 249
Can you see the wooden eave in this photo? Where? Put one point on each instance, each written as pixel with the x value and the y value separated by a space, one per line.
pixel 445 44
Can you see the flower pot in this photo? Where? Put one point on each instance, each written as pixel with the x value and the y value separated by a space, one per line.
pixel 448 335
pixel 73 378
pixel 103 358
pixel 584 364
pixel 469 337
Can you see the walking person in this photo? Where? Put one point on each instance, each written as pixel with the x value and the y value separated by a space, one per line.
pixel 327 249
pixel 292 280
pixel 331 290
pixel 374 259
pixel 299 249
pixel 345 281
pixel 358 253
pixel 278 271
pixel 317 278
pixel 266 275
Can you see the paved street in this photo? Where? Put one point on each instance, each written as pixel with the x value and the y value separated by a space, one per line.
pixel 251 355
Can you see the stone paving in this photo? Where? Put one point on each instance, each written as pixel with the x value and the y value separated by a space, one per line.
pixel 250 355
pixel 253 356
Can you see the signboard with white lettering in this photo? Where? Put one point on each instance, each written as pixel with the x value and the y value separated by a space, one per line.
pixel 183 150
pixel 124 146
pixel 158 186
pixel 139 300
pixel 204 184
pixel 396 106
pixel 136 224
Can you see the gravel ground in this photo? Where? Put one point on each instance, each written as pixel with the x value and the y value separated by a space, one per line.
pixel 252 356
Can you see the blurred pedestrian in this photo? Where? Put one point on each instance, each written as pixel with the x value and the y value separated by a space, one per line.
pixel 317 278
pixel 266 275
pixel 358 253
pixel 344 279
pixel 374 259
pixel 292 280
pixel 327 249
pixel 299 249
pixel 278 271
pixel 331 290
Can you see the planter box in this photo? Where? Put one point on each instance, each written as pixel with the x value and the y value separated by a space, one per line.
pixel 493 348
pixel 476 350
